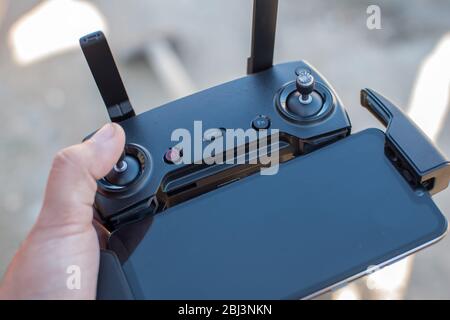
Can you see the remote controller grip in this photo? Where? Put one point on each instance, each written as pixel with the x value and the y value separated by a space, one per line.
pixel 112 283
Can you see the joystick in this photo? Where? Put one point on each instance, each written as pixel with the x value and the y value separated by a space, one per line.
pixel 305 102
pixel 305 86
pixel 124 172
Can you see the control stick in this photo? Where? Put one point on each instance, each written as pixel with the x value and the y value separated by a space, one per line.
pixel 305 86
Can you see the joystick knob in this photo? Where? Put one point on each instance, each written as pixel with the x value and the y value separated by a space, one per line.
pixel 305 86
pixel 121 164
pixel 303 100
pixel 125 171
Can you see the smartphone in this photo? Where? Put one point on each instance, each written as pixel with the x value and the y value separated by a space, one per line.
pixel 324 219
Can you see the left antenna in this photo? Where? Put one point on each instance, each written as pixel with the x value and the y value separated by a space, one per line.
pixel 104 69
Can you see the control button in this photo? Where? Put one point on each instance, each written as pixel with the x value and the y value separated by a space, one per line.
pixel 173 156
pixel 261 123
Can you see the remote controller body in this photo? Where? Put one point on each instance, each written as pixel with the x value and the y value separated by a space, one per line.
pixel 236 104
pixel 224 232
pixel 338 206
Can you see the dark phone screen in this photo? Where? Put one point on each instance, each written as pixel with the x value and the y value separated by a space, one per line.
pixel 324 218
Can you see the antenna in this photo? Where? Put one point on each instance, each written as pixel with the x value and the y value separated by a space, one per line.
pixel 263 35
pixel 104 69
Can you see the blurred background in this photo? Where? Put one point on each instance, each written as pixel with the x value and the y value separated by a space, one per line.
pixel 168 49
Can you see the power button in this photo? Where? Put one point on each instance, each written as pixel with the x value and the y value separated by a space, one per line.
pixel 261 123
pixel 173 156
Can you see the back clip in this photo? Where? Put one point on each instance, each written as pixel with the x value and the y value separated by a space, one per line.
pixel 101 62
pixel 409 149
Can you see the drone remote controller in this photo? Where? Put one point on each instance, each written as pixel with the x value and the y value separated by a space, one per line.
pixel 206 230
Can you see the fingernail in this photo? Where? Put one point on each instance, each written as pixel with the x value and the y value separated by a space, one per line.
pixel 104 134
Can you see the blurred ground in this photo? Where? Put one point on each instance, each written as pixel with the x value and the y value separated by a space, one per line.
pixel 54 103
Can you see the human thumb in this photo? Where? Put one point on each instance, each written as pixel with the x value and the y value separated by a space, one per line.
pixel 72 186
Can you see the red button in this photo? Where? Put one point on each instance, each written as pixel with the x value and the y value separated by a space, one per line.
pixel 173 156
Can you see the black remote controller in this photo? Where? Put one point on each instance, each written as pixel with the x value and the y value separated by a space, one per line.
pixel 175 217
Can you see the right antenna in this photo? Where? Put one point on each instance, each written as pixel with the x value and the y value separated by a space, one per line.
pixel 263 35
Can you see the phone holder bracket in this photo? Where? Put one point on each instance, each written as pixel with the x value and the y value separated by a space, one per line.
pixel 407 146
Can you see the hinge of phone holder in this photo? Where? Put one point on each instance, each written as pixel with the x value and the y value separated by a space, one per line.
pixel 408 148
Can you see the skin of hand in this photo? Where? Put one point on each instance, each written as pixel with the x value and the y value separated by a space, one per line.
pixel 64 234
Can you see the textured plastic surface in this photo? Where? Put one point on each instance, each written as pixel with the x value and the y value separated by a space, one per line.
pixel 323 218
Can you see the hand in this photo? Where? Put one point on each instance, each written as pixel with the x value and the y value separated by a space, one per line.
pixel 64 234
